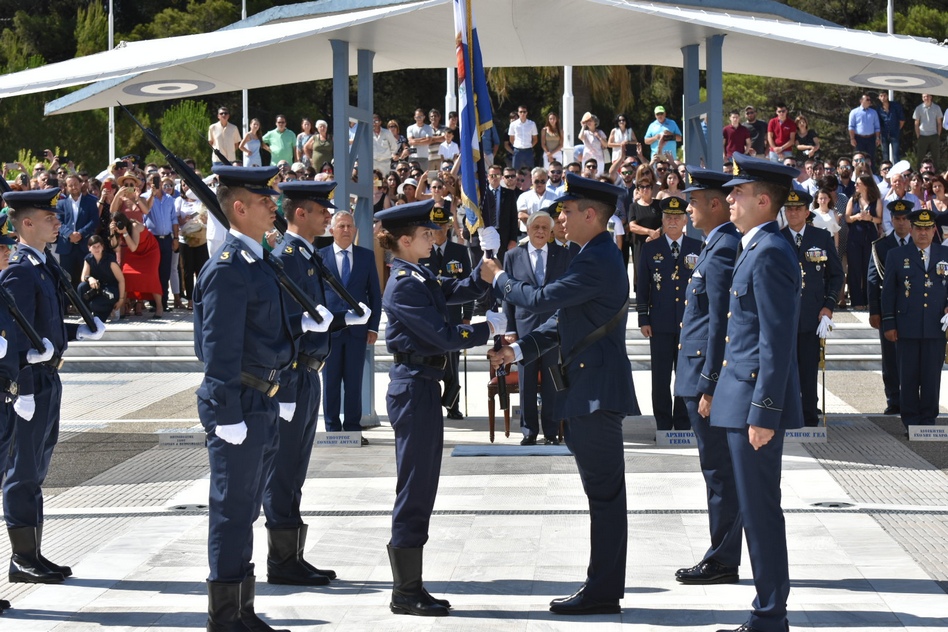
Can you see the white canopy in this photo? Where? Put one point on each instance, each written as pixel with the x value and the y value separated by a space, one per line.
pixel 512 33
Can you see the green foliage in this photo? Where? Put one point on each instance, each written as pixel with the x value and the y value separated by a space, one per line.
pixel 184 131
pixel 197 17
pixel 919 20
pixel 92 30
pixel 848 13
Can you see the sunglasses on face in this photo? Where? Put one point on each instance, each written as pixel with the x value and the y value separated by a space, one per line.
pixel 539 182
pixel 643 186
pixel 555 172
pixel 509 177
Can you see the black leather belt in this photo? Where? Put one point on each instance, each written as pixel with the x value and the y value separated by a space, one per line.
pixel 311 362
pixel 55 363
pixel 9 387
pixel 163 236
pixel 267 387
pixel 439 362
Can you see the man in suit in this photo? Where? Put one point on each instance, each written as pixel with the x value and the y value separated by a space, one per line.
pixel 354 266
pixel 497 196
pixel 822 281
pixel 700 356
pixel 915 315
pixel 451 260
pixel 588 332
pixel 541 262
pixel 79 218
pixel 758 393
pixel 901 235
pixel 664 271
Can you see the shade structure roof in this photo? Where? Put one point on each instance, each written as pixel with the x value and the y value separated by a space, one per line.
pixel 513 33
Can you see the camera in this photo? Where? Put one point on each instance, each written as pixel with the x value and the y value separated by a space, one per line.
pixel 122 223
pixel 91 293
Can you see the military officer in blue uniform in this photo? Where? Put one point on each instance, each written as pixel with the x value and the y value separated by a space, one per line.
pixel 700 357
pixel 419 335
pixel 244 337
pixel 665 266
pixel 822 281
pixel 901 235
pixel 915 315
pixel 596 391
pixel 306 205
pixel 450 259
pixel 758 393
pixel 31 278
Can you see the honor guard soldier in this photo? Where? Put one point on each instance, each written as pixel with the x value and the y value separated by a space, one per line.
pixel 901 235
pixel 32 277
pixel 758 393
pixel 306 206
pixel 449 259
pixel 822 282
pixel 700 357
pixel 594 377
pixel 243 335
pixel 665 267
pixel 915 315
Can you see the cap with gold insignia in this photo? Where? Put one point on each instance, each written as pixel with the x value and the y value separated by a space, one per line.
pixel 706 179
pixel 440 217
pixel 553 209
pixel 41 199
pixel 6 231
pixel 750 169
pixel 673 205
pixel 406 215
pixel 923 218
pixel 259 180
pixel 799 198
pixel 580 188
pixel 319 192
pixel 900 207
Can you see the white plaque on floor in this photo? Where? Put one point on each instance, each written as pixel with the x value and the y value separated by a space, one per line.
pixel 338 440
pixel 181 438
pixel 677 438
pixel 928 433
pixel 806 435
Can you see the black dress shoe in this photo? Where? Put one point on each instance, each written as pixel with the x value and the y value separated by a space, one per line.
pixel 455 414
pixel 743 628
pixel 892 409
pixel 709 572
pixel 365 441
pixel 549 441
pixel 528 441
pixel 579 603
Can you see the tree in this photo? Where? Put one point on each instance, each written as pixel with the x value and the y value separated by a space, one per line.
pixel 92 30
pixel 183 130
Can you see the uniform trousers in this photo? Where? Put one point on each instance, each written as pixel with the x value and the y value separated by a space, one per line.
pixel 530 417
pixel 724 511
pixel 596 442
pixel 669 411
pixel 757 476
pixel 890 370
pixel 343 370
pixel 808 364
pixel 920 361
pixel 31 450
pixel 283 493
pixel 414 408
pixel 238 476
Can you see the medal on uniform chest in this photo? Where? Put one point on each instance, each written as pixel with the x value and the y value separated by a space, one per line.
pixel 674 274
pixel 941 268
pixel 928 282
pixel 816 255
pixel 803 276
pixel 906 264
pixel 657 280
pixel 454 267
pixel 691 260
pixel 908 286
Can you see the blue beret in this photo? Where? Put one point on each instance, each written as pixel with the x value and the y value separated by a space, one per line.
pixel 706 179
pixel 404 215
pixel 319 192
pixel 750 169
pixel 42 199
pixel 580 188
pixel 259 180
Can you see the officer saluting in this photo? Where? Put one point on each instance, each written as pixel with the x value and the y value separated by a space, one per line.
pixel 665 266
pixel 822 280
pixel 243 334
pixel 915 314
pixel 306 207
pixel 32 280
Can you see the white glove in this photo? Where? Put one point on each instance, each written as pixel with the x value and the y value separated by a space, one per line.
pixel 944 322
pixel 825 327
pixel 33 356
pixel 354 319
pixel 286 410
pixel 310 324
pixel 83 333
pixel 25 406
pixel 233 433
pixel 490 238
pixel 3 347
pixel 497 322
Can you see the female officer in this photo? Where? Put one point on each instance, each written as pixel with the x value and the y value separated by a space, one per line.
pixel 419 336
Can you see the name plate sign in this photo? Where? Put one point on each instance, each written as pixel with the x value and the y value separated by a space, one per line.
pixel 928 433
pixel 181 438
pixel 338 440
pixel 806 435
pixel 676 438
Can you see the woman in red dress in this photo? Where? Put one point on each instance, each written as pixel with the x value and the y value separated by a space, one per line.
pixel 140 263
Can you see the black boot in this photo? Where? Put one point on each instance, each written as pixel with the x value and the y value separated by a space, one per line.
pixel 284 566
pixel 4 605
pixel 25 566
pixel 304 529
pixel 409 595
pixel 65 571
pixel 248 617
pixel 223 608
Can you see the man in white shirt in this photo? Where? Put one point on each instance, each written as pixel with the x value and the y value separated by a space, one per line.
pixel 523 137
pixel 419 137
pixel 223 137
pixel 898 190
pixel 536 198
pixel 384 146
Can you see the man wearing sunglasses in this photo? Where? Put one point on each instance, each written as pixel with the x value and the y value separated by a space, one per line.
pixel 223 137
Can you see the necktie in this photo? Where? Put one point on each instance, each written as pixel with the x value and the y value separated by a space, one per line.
pixel 740 248
pixel 799 240
pixel 346 267
pixel 922 255
pixel 704 245
pixel 675 249
pixel 540 270
pixel 901 241
pixel 439 259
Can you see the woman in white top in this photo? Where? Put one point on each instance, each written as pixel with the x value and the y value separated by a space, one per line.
pixel 826 217
pixel 594 141
pixel 621 135
pixel 251 145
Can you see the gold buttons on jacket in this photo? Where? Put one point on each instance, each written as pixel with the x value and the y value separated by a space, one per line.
pixel 724 363
pixel 582 365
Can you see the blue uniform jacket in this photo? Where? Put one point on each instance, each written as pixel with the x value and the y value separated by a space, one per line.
pixel 240 324
pixel 35 291
pixel 363 285
pixel 593 289
pixel 704 326
pixel 661 283
pixel 10 363
pixel 456 263
pixel 518 265
pixel 86 224
pixel 913 300
pixel 759 383
pixel 880 250
pixel 822 274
